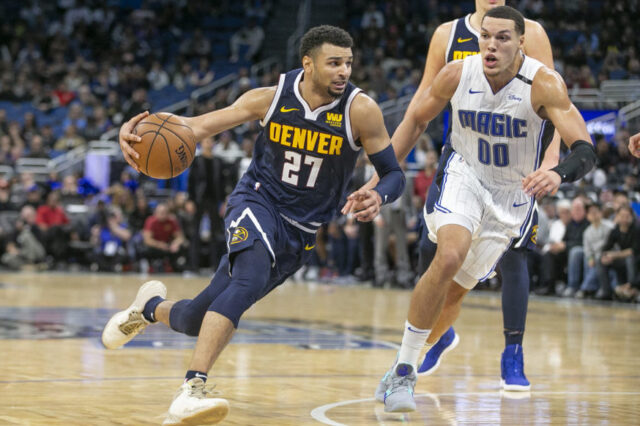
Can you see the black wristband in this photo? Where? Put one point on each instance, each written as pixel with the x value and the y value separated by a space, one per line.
pixel 578 163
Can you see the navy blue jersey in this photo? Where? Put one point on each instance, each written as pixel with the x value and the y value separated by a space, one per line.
pixel 463 40
pixel 303 160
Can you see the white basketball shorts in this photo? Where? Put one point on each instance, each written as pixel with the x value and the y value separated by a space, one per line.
pixel 494 216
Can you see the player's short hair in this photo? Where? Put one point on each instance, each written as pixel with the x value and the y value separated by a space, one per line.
pixel 319 35
pixel 506 12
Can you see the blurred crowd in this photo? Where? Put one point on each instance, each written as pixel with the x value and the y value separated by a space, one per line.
pixel 588 235
pixel 70 70
pixel 592 40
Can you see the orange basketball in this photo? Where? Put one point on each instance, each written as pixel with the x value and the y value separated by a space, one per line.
pixel 167 148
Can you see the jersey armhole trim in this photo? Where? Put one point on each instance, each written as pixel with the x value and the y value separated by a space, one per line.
pixel 452 33
pixel 347 122
pixel 274 102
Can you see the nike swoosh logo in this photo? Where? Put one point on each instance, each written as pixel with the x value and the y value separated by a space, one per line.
pixel 473 92
pixel 283 109
pixel 307 247
pixel 462 40
pixel 520 204
pixel 419 332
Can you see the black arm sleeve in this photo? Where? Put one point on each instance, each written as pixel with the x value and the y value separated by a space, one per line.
pixel 578 163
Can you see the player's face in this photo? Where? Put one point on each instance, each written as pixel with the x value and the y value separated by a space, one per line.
pixel 499 45
pixel 331 69
pixel 488 4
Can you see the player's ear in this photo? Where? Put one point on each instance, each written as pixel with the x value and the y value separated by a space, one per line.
pixel 307 63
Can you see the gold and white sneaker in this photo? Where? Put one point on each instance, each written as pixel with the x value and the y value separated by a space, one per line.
pixel 194 405
pixel 127 324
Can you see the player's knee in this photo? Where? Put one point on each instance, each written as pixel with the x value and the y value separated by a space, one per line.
pixel 185 320
pixel 450 259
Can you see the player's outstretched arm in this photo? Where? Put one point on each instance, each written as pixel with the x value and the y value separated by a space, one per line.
pixel 634 145
pixel 551 100
pixel 252 105
pixel 409 129
pixel 368 126
pixel 538 46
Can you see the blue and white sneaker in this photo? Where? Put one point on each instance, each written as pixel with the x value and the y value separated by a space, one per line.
pixel 398 398
pixel 512 370
pixel 431 362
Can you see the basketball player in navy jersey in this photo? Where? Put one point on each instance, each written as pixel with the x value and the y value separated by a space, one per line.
pixel 501 103
pixel 452 41
pixel 314 125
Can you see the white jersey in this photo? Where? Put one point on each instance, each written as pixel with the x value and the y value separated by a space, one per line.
pixel 498 134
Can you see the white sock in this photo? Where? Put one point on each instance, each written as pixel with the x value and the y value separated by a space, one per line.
pixel 412 342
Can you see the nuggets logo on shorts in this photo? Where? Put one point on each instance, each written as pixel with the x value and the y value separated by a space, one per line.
pixel 239 235
pixel 534 234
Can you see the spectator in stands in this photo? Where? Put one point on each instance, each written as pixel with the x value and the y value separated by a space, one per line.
pixel 226 148
pixel 424 177
pixel 37 148
pixel 372 17
pixel 250 37
pixel 53 222
pixel 48 136
pixel 206 188
pixel 554 257
pixel 158 78
pixel 137 104
pixel 619 255
pixel 164 244
pixel 24 247
pixel 140 212
pixel 70 140
pixel 97 124
pixel 6 203
pixel 203 75
pixel 69 193
pixel 593 241
pixel 392 221
pixel 29 126
pixel 573 237
pixel 196 46
pixel 109 240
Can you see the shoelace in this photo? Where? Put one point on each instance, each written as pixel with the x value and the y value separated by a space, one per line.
pixel 400 382
pixel 513 364
pixel 199 390
pixel 133 324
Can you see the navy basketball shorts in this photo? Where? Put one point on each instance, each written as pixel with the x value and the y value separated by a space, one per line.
pixel 250 217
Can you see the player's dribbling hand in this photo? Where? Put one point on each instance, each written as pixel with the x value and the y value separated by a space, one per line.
pixel 634 145
pixel 541 182
pixel 364 204
pixel 126 137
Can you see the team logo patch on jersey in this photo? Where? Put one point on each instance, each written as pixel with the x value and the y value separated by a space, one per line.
pixel 239 235
pixel 334 120
pixel 534 234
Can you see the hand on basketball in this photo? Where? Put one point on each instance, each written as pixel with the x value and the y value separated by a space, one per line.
pixel 364 203
pixel 127 137
pixel 541 182
pixel 634 145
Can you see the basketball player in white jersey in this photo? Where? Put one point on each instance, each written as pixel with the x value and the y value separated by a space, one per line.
pixel 451 41
pixel 501 101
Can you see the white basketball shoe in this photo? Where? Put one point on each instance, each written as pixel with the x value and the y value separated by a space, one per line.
pixel 194 405
pixel 125 325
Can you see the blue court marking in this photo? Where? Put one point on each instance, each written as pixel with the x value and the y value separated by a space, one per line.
pixel 34 323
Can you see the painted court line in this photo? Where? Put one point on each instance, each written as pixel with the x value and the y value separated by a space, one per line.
pixel 319 413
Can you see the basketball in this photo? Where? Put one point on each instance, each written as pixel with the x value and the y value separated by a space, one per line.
pixel 167 148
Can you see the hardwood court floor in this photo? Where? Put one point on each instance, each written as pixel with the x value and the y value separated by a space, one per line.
pixel 307 354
